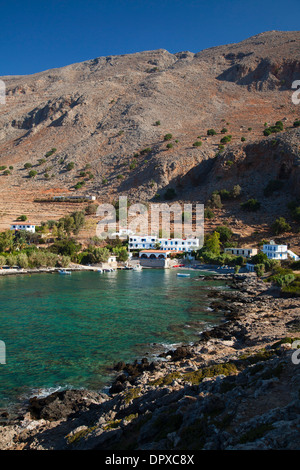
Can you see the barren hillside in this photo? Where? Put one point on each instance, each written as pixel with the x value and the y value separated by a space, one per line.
pixel 106 120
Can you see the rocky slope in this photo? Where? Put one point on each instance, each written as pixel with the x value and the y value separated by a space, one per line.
pixel 104 112
pixel 237 388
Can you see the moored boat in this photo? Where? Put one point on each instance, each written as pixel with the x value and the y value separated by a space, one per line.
pixel 63 271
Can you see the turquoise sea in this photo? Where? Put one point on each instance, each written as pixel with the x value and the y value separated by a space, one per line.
pixel 67 331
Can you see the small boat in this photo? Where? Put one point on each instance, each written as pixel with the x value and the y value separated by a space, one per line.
pixel 138 267
pixel 99 270
pixel 183 275
pixel 63 271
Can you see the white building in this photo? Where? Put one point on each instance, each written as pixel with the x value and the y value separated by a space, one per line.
pixel 154 254
pixel 246 252
pixel 26 227
pixel 274 251
pixel 145 242
pixel 179 244
pixel 149 242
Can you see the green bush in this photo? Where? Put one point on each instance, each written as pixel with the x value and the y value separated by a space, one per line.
pixel 252 205
pixel 51 152
pixel 79 184
pixel 273 129
pixel 259 269
pixel 211 132
pixel 70 166
pixel 280 226
pixel 226 139
pixel 168 137
pixel 197 144
pixel 145 151
pixel 32 174
pixel 296 123
pixel 225 233
pixel 27 165
pixel 215 200
pixel 208 214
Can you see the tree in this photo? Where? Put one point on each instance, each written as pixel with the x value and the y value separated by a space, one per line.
pixel 122 253
pixel 260 258
pixel 2 261
pixel 79 221
pixel 11 260
pixel 208 214
pixel 22 218
pixel 259 269
pixel 66 247
pixel 22 260
pixel 168 137
pixel 32 174
pixel 100 255
pixel 215 200
pixel 212 243
pixel 68 224
pixel 37 259
pixel 280 226
pixel 70 166
pixel 6 240
pixel 65 261
pixel 91 209
pixel 211 132
pixel 225 233
pixel 236 191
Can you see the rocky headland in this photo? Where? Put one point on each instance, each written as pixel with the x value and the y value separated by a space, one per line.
pixel 238 387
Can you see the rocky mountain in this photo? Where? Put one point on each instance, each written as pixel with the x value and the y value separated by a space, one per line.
pixel 129 125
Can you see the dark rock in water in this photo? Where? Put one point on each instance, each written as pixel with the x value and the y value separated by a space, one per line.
pixel 60 405
pixel 117 387
pixel 121 378
pixel 119 366
pixel 180 353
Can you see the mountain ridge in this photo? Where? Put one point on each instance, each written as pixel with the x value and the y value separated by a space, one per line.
pixel 106 113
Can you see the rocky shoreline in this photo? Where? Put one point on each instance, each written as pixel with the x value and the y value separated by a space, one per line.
pixel 236 388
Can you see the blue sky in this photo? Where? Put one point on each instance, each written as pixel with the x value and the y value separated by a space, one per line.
pixel 39 35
